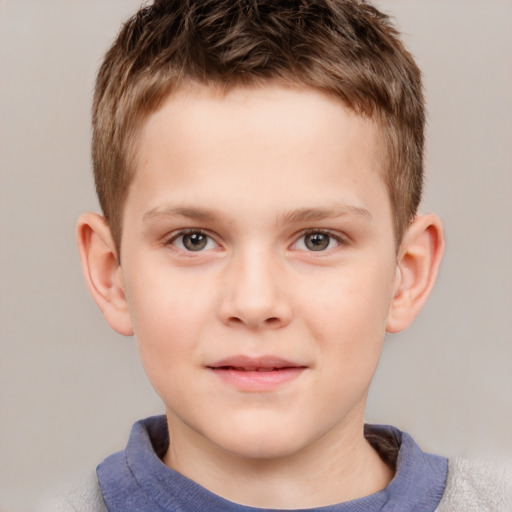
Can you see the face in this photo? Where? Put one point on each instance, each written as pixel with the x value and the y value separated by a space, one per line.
pixel 259 265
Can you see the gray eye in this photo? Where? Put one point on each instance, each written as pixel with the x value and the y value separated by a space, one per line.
pixel 194 241
pixel 317 241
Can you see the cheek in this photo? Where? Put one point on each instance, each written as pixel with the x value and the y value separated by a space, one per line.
pixel 351 301
pixel 164 300
pixel 347 316
pixel 169 315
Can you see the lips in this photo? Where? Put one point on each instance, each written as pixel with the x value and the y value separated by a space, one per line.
pixel 256 374
pixel 259 364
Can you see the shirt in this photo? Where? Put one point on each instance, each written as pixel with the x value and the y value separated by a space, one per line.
pixel 137 480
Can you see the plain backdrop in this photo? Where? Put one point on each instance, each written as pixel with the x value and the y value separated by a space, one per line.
pixel 71 388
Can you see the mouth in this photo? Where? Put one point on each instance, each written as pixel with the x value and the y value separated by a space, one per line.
pixel 251 368
pixel 254 364
pixel 256 374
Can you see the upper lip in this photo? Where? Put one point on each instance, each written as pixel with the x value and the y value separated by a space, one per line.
pixel 249 363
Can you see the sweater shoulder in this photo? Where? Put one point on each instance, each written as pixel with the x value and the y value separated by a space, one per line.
pixel 477 486
pixel 83 495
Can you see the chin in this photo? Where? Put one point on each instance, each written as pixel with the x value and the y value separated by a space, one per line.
pixel 262 444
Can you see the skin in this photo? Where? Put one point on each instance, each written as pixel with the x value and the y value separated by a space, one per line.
pixel 257 175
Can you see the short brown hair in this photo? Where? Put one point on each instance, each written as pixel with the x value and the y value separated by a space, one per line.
pixel 345 48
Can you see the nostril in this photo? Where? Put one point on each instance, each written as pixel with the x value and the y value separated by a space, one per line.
pixel 273 321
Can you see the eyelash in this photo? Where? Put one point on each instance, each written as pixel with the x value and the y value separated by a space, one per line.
pixel 183 232
pixel 197 231
pixel 332 236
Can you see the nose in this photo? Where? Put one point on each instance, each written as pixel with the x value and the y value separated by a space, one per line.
pixel 253 293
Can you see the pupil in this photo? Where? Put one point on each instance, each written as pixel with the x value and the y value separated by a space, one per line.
pixel 317 241
pixel 194 241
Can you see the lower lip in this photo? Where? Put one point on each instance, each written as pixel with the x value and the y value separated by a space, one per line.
pixel 258 381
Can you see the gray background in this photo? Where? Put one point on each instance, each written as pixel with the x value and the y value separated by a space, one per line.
pixel 70 387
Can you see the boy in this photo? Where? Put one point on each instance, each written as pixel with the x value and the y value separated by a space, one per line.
pixel 259 167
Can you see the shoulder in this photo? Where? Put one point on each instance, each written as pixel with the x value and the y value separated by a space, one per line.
pixel 477 485
pixel 84 495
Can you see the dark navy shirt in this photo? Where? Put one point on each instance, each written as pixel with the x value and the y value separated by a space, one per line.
pixel 137 480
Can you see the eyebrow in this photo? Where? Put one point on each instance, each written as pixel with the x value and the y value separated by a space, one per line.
pixel 317 214
pixel 189 212
pixel 294 216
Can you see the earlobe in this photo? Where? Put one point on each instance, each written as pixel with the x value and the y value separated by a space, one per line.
pixel 102 272
pixel 418 262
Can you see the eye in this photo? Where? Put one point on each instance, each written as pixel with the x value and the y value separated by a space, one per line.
pixel 193 241
pixel 317 241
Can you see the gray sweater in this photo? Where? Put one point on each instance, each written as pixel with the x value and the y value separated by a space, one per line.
pixel 136 480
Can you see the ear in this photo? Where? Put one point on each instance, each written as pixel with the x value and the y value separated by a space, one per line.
pixel 102 271
pixel 418 262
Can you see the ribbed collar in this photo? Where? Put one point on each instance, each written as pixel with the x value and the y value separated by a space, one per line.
pixel 137 480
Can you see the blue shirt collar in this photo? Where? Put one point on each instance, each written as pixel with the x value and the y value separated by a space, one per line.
pixel 137 480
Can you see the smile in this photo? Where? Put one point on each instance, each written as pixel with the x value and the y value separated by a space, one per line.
pixel 256 374
pixel 250 368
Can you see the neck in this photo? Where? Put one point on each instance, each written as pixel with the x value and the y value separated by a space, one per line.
pixel 338 467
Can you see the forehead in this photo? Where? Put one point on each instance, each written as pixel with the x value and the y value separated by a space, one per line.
pixel 281 142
